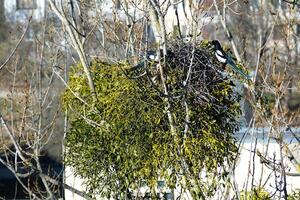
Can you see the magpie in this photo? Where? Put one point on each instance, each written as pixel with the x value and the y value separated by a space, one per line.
pixel 226 59
pixel 152 54
pixel 152 57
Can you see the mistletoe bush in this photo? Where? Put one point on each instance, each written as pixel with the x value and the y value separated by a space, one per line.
pixel 123 139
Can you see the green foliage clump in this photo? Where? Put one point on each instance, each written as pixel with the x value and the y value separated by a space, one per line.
pixel 256 194
pixel 123 140
pixel 295 195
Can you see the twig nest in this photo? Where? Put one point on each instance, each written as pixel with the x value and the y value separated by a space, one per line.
pixel 188 70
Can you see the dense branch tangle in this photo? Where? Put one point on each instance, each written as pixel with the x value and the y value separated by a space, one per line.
pixel 189 68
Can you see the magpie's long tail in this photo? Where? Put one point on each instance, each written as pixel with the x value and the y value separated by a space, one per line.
pixel 236 69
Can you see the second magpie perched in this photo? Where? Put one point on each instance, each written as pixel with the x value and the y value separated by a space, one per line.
pixel 152 57
pixel 226 59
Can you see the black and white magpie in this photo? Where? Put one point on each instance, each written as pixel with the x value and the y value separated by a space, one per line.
pixel 226 59
pixel 152 57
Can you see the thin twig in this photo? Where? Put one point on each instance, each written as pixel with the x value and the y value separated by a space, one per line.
pixel 17 45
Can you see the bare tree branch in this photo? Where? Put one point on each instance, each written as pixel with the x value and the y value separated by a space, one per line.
pixel 17 45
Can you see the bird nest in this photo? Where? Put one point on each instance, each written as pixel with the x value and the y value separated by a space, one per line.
pixel 188 69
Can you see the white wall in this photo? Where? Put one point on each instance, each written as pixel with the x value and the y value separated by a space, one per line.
pixel 14 15
pixel 75 182
pixel 249 166
pixel 186 19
